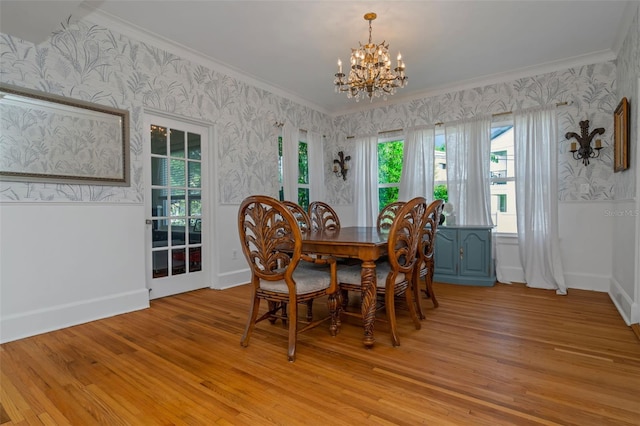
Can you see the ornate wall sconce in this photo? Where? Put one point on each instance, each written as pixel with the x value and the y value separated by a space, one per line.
pixel 341 165
pixel 585 150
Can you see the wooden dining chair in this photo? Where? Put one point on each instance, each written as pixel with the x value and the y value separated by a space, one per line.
pixel 394 275
pixel 302 217
pixel 426 256
pixel 272 244
pixel 323 217
pixel 387 215
pixel 305 225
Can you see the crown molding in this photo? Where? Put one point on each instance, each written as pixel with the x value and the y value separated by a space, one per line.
pixel 487 80
pixel 130 30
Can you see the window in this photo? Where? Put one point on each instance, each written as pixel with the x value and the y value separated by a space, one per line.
pixel 389 171
pixel 503 192
pixel 503 185
pixel 303 173
pixel 440 168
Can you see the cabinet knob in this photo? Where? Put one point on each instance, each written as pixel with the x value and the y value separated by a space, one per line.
pixel 461 252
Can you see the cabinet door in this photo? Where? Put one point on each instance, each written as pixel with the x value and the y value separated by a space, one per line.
pixel 446 252
pixel 475 259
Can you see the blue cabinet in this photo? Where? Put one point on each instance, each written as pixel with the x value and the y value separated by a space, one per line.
pixel 464 255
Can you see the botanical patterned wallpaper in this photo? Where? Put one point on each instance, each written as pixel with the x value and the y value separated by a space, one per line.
pixel 628 64
pixel 589 89
pixel 92 63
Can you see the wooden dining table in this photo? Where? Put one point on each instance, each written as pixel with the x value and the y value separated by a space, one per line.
pixel 365 243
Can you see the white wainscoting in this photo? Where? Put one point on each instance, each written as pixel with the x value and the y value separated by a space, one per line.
pixel 63 264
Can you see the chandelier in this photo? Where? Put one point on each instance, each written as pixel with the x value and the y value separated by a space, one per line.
pixel 370 73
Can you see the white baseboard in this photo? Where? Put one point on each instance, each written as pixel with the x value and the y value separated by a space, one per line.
pixel 587 281
pixel 628 309
pixel 232 279
pixel 31 323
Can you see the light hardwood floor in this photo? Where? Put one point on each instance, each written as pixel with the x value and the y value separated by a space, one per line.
pixel 503 355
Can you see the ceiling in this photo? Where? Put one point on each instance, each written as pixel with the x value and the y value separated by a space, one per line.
pixel 292 47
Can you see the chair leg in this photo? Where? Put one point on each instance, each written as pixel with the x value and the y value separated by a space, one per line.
pixel 293 328
pixel 411 304
pixel 272 308
pixel 429 283
pixel 334 310
pixel 390 308
pixel 251 322
pixel 415 288
pixel 345 299
pixel 309 310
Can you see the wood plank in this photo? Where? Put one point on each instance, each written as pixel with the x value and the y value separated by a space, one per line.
pixel 499 355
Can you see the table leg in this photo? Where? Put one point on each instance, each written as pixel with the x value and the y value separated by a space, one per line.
pixel 368 277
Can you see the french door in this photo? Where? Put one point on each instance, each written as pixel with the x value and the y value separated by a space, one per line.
pixel 176 206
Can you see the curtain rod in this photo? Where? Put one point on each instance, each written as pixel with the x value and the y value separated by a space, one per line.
pixel 281 123
pixel 440 123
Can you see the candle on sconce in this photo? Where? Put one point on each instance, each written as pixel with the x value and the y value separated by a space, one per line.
pixel 335 168
pixel 598 143
pixel 339 66
pixel 573 146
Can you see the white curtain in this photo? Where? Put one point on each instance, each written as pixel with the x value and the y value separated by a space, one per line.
pixel 535 145
pixel 315 149
pixel 365 172
pixel 468 149
pixel 417 167
pixel 290 171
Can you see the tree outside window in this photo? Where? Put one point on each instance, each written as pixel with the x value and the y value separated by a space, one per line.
pixel 303 173
pixel 390 155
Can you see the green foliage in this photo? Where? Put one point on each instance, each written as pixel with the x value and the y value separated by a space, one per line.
pixel 387 196
pixel 303 163
pixel 390 161
pixel 303 198
pixel 389 171
pixel 440 193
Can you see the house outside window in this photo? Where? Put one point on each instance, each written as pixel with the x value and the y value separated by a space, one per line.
pixel 502 178
pixel 440 168
pixel 503 185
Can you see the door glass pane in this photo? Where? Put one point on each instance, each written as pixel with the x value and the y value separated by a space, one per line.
pixel 177 143
pixel 159 172
pixel 158 202
pixel 159 234
pixel 178 177
pixel 160 264
pixel 178 261
pixel 195 259
pixel 178 203
pixel 195 231
pixel 195 204
pixel 178 237
pixel 193 146
pixel 194 174
pixel 158 140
